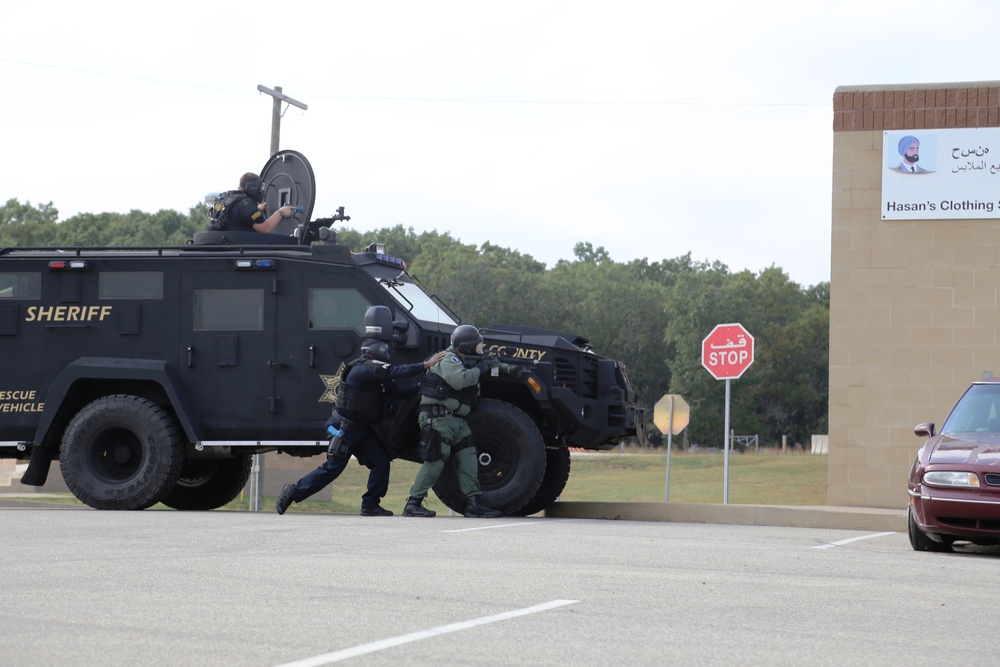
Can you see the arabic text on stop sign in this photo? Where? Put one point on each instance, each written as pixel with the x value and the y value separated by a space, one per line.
pixel 728 358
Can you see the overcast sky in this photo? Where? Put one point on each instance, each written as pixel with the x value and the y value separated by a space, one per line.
pixel 636 126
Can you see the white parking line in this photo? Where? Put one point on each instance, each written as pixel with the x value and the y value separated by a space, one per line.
pixel 848 541
pixel 506 525
pixel 372 647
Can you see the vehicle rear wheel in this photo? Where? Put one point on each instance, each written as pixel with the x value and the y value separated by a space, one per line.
pixel 511 455
pixel 121 453
pixel 556 475
pixel 919 539
pixel 206 484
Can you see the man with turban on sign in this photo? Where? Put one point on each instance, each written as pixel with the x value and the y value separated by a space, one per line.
pixel 909 149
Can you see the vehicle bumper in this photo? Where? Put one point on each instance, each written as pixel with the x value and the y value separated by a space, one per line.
pixel 961 514
pixel 601 424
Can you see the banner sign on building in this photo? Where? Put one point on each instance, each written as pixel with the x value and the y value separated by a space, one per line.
pixel 941 174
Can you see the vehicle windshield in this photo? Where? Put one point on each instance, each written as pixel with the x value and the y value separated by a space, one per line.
pixel 414 300
pixel 977 411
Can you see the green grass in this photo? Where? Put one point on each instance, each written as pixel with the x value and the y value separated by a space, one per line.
pixel 763 479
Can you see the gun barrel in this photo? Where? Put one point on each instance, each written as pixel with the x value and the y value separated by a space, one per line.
pixel 500 359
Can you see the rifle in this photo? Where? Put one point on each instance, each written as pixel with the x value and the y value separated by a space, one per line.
pixel 513 366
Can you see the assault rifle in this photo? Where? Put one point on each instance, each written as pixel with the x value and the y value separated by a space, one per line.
pixel 513 366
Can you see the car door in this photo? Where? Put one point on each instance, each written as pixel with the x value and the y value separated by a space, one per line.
pixel 334 304
pixel 227 350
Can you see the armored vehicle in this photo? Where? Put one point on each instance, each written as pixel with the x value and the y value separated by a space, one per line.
pixel 154 374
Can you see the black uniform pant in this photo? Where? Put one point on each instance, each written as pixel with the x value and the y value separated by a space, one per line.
pixel 368 449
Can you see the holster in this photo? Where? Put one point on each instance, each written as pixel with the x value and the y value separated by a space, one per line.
pixel 339 446
pixel 430 444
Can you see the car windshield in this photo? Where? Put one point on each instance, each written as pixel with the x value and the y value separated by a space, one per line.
pixel 977 411
pixel 417 302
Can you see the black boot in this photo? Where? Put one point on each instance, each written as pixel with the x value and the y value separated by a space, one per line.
pixel 474 508
pixel 415 507
pixel 377 510
pixel 284 498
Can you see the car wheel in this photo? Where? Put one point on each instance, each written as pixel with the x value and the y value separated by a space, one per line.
pixel 919 539
pixel 206 484
pixel 556 475
pixel 121 453
pixel 511 455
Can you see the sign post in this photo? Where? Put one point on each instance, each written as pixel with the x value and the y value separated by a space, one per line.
pixel 671 415
pixel 727 353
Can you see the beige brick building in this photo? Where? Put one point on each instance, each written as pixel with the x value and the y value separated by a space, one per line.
pixel 913 303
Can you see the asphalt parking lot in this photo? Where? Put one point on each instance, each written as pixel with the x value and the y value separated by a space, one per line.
pixel 85 587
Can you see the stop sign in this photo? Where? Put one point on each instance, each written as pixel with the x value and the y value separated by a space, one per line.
pixel 675 422
pixel 727 352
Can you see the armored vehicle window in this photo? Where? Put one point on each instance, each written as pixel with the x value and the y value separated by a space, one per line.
pixel 20 285
pixel 228 309
pixel 130 285
pixel 337 309
pixel 416 301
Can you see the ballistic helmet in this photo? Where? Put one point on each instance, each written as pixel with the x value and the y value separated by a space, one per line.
pixel 252 186
pixel 376 349
pixel 466 338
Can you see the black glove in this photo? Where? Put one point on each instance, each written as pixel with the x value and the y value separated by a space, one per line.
pixel 483 367
pixel 513 370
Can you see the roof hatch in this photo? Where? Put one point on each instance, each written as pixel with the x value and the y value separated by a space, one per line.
pixel 289 181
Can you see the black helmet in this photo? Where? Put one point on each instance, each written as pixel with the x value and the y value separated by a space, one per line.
pixel 375 349
pixel 466 338
pixel 252 186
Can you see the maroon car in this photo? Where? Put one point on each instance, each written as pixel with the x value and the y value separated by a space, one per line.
pixel 954 483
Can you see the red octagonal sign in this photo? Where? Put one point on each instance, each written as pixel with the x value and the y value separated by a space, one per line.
pixel 727 352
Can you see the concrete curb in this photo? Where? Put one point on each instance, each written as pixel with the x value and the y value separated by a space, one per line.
pixel 840 518
pixel 791 516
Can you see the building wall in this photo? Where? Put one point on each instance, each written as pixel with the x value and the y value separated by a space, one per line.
pixel 913 304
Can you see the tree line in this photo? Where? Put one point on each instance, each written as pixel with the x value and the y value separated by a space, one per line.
pixel 652 316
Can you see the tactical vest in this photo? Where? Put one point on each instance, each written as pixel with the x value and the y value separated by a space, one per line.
pixel 434 387
pixel 222 208
pixel 361 404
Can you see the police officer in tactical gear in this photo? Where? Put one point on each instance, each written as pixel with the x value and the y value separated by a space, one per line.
pixel 448 393
pixel 244 209
pixel 364 385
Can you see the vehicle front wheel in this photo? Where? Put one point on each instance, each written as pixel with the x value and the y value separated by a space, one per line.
pixel 206 484
pixel 556 475
pixel 919 539
pixel 511 455
pixel 121 453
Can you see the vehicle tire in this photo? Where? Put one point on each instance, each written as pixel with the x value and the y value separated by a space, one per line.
pixel 121 453
pixel 511 456
pixel 206 484
pixel 918 538
pixel 556 475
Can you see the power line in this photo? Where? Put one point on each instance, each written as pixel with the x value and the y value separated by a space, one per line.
pixel 122 76
pixel 579 102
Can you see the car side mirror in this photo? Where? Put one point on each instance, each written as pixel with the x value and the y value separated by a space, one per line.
pixel 924 430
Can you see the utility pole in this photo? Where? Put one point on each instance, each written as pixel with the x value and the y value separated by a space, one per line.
pixel 276 112
pixel 257 469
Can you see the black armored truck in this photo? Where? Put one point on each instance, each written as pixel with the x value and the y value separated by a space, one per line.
pixel 153 374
